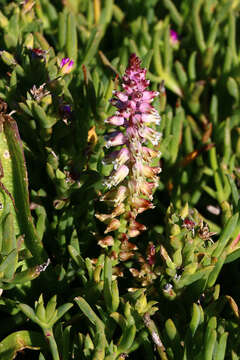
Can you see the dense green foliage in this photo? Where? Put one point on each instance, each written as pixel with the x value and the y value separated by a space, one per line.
pixel 172 292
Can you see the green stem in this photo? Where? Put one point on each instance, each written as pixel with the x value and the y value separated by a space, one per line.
pixel 52 343
pixel 150 325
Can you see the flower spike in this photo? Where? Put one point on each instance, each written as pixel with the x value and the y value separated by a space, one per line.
pixel 133 179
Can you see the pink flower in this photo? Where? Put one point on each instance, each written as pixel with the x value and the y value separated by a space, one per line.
pixel 115 120
pixel 115 138
pixel 117 176
pixel 174 37
pixel 122 156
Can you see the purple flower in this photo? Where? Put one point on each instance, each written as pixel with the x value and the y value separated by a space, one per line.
pixel 133 178
pixel 174 37
pixel 66 109
pixel 66 65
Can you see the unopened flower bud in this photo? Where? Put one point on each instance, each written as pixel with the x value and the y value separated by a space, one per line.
pixel 66 66
pixel 107 241
pixel 112 226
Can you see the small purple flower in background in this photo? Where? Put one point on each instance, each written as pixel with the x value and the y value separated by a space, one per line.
pixel 66 112
pixel 66 109
pixel 174 37
pixel 66 65
pixel 133 179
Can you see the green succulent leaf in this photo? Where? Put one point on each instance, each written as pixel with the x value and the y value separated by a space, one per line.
pixel 20 340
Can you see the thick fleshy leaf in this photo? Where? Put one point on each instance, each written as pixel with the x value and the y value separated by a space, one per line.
pixel 29 312
pixel 8 260
pixel 12 344
pixel 19 190
pixel 62 310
